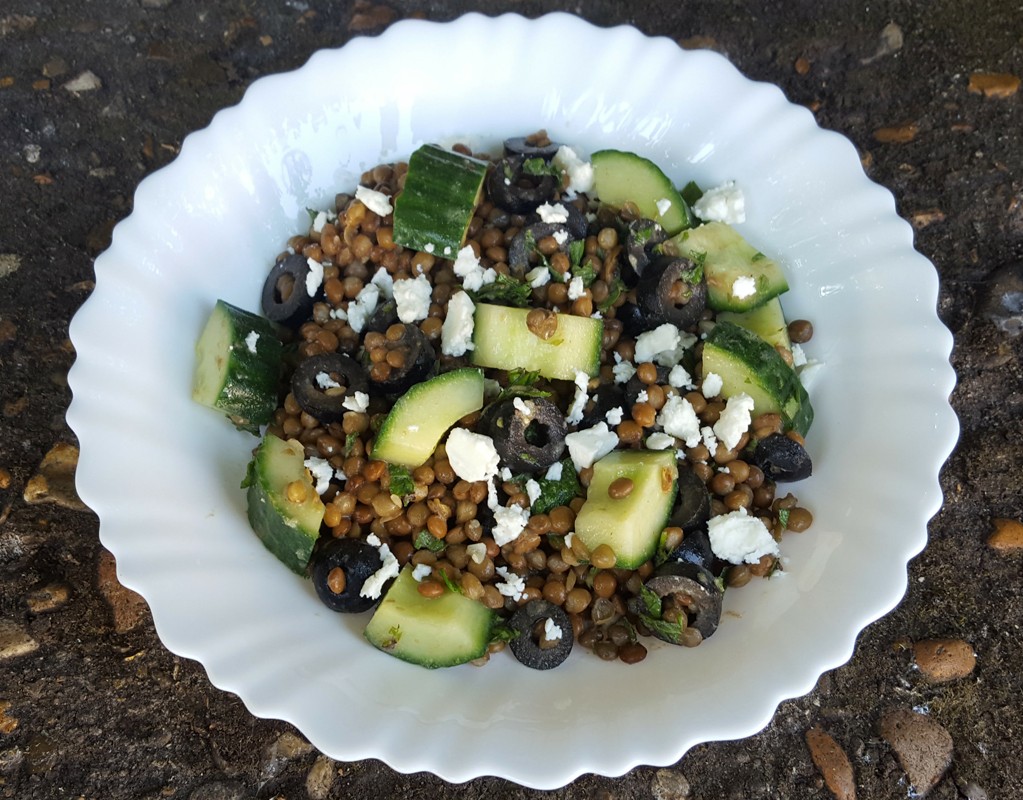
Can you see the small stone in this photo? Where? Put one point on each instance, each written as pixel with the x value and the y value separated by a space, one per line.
pixel 669 784
pixel 14 641
pixel 41 85
pixel 921 219
pixel 11 759
pixel 219 790
pixel 16 22
pixel 9 263
pixel 6 82
pixel 8 723
pixel 5 474
pixel 801 65
pixel 285 749
pixel 321 778
pixel 923 747
pixel 51 597
pixel 368 17
pixel 54 67
pixel 897 134
pixel 87 81
pixel 832 762
pixel 1008 535
pixel 8 330
pixel 700 42
pixel 891 42
pixel 128 607
pixel 32 153
pixel 970 790
pixel 942 660
pixel 998 85
pixel 55 481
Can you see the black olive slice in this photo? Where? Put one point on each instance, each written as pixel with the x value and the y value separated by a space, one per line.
pixel 633 320
pixel 357 560
pixel 782 459
pixel 514 190
pixel 312 385
pixel 605 398
pixel 529 435
pixel 385 315
pixel 520 146
pixel 526 648
pixel 419 361
pixel 522 252
pixel 634 385
pixel 285 299
pixel 668 291
pixel 695 587
pixel 692 508
pixel 641 236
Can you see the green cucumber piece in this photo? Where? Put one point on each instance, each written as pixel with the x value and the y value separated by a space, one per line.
pixel 434 209
pixel 766 321
pixel 287 528
pixel 747 363
pixel 631 526
pixel 620 177
pixel 502 340
pixel 431 632
pixel 238 366
pixel 728 257
pixel 420 417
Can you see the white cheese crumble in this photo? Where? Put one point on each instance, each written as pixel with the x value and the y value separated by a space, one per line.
pixel 533 491
pixel 520 405
pixel 734 420
pixel 642 396
pixel 615 415
pixel 319 221
pixel 580 173
pixel 314 278
pixel 358 402
pixel 324 381
pixel 551 630
pixel 712 385
pixel 360 309
pixel 663 338
pixel 553 214
pixel 554 471
pixel 809 374
pixel 590 444
pixel 538 276
pixel 798 355
pixel 575 411
pixel 710 441
pixel 421 571
pixel 413 296
pixel 477 551
pixel 512 586
pixel 456 332
pixel 744 286
pixel 506 474
pixel 659 441
pixel 253 337
pixel 384 282
pixel 724 203
pixel 568 538
pixel 678 418
pixel 374 584
pixel 321 471
pixel 680 378
pixel 663 205
pixel 622 370
pixel 467 267
pixel 737 537
pixel 377 202
pixel 576 288
pixel 429 247
pixel 560 237
pixel 472 456
pixel 509 522
pixel 338 313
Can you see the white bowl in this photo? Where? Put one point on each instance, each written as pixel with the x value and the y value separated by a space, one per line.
pixel 163 473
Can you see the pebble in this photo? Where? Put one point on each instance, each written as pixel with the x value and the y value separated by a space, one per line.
pixel 1002 298
pixel 321 777
pixel 897 134
pixel 943 660
pixel 669 784
pixel 970 790
pixel 891 42
pixel 368 17
pixel 921 219
pixel 128 607
pixel 54 67
pixel 832 762
pixel 923 747
pixel 1008 535
pixel 5 477
pixel 51 597
pixel 87 81
pixel 15 641
pixel 9 263
pixel 284 749
pixel 998 85
pixel 8 330
pixel 55 480
pixel 8 723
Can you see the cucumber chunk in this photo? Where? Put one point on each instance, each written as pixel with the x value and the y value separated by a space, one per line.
pixel 238 366
pixel 766 321
pixel 431 632
pixel 501 339
pixel 729 261
pixel 283 507
pixel 420 417
pixel 631 526
pixel 620 177
pixel 747 363
pixel 434 210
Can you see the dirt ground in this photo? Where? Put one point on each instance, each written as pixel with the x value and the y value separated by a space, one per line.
pixel 93 706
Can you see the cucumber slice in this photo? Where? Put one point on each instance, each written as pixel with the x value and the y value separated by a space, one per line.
pixel 727 258
pixel 238 366
pixel 632 525
pixel 288 527
pixel 431 632
pixel 434 209
pixel 501 339
pixel 747 363
pixel 620 177
pixel 766 321
pixel 421 416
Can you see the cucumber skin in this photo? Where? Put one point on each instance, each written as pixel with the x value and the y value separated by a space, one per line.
pixel 771 373
pixel 249 392
pixel 454 613
pixel 281 533
pixel 433 211
pixel 766 321
pixel 610 166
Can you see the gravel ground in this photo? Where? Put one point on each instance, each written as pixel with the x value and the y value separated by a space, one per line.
pixel 97 94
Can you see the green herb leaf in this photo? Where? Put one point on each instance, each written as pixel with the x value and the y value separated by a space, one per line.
pixel 775 567
pixel 401 482
pixel 350 441
pixel 523 377
pixel 538 167
pixel 559 492
pixel 671 631
pixel 449 584
pixel 586 272
pixel 651 602
pixel 662 549
pixel 250 475
pixel 521 391
pixel 503 633
pixel 614 292
pixel 783 517
pixel 556 541
pixel 576 251
pixel 691 192
pixel 505 290
pixel 427 541
pixel 757 257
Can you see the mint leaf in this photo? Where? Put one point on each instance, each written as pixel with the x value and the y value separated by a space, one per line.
pixel 537 167
pixel 670 631
pixel 576 251
pixel 401 482
pixel 503 633
pixel 614 292
pixel 783 517
pixel 506 291
pixel 449 584
pixel 350 441
pixel 427 541
pixel 651 602
pixel 559 492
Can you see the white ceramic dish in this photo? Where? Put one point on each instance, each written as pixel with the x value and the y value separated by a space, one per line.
pixel 163 473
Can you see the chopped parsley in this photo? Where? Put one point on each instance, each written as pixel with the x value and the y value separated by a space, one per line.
pixel 506 291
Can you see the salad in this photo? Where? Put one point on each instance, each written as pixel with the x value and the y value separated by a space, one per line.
pixel 521 402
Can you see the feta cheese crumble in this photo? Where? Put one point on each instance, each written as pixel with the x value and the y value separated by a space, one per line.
pixel 680 378
pixel 576 288
pixel 724 203
pixel 384 282
pixel 615 415
pixel 712 385
pixel 324 381
pixel 663 338
pixel 472 456
pixel 734 420
pixel 413 296
pixel 744 286
pixel 622 370
pixel 477 551
pixel 363 306
pixel 551 630
pixel 512 586
pixel 575 411
pixel 377 202
pixel 560 237
pixel 710 441
pixel 358 402
pixel 663 205
pixel 253 337
pixel 554 471
pixel 533 491
pixel 538 276
pixel 659 441
pixel 737 537
pixel 555 214
pixel 678 418
pixel 520 405
pixel 456 332
pixel 798 355
pixel 467 267
pixel 373 587
pixel 580 173
pixel 314 278
pixel 590 444
pixel 421 571
pixel 321 471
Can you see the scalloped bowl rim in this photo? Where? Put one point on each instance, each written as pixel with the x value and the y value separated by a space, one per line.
pixel 259 163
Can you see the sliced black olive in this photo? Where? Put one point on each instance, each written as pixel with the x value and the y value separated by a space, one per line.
pixel 526 646
pixel 605 398
pixel 671 289
pixel 385 315
pixel 312 385
pixel 634 385
pixel 514 190
pixel 693 588
pixel 419 362
pixel 633 320
pixel 527 441
pixel 642 235
pixel 695 549
pixel 286 300
pixel 520 146
pixel 522 252
pixel 357 561
pixel 782 459
pixel 692 509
